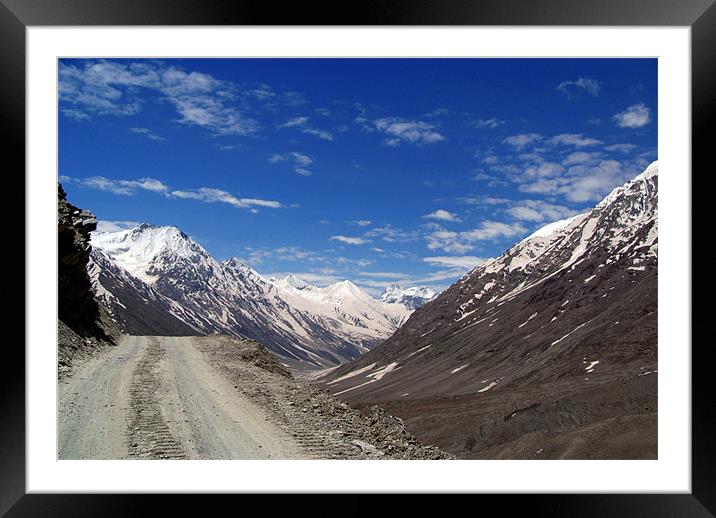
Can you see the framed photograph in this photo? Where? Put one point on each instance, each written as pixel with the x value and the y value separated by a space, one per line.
pixel 411 250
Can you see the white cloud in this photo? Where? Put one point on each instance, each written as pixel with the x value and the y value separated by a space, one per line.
pixel 123 187
pixel 520 141
pixel 349 240
pixel 360 222
pixel 205 194
pixel 635 116
pixel 385 275
pixel 300 161
pixel 621 148
pixel 302 158
pixel 285 253
pixel 581 183
pixel 440 275
pixel 570 88
pixel 101 88
pixel 543 170
pixel 538 210
pixel 413 132
pixel 461 242
pixel 391 234
pixel 490 230
pixel 455 261
pixel 484 200
pixel 448 241
pixel 146 132
pixel 581 157
pixel 573 139
pixel 442 215
pixel 302 124
pixel 77 115
pixel 210 195
pixel 487 123
pixel 296 121
pixel 483 177
pixel 114 226
pixel 276 158
pixel 323 134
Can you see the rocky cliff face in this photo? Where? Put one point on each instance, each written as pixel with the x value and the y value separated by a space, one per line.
pixel 83 322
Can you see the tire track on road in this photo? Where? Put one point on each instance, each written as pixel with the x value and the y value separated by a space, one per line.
pixel 149 434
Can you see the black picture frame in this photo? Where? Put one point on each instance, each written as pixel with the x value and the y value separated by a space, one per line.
pixel 700 15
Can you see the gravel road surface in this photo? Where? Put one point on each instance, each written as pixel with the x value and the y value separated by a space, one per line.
pixel 158 397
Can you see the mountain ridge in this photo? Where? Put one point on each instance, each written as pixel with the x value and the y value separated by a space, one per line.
pixel 412 297
pixel 157 280
pixel 566 314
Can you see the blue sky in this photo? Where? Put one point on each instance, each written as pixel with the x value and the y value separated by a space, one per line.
pixel 375 170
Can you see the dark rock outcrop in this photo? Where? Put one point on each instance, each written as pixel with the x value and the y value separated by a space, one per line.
pixel 78 310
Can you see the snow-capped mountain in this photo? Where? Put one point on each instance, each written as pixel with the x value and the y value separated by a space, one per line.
pixel 411 298
pixel 560 330
pixel 157 280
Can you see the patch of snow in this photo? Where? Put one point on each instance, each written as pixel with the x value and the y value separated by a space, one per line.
pixel 565 336
pixel 492 384
pixel 590 367
pixel 378 375
pixel 459 368
pixel 530 318
pixel 354 373
pixel 551 228
pixel 465 315
pixel 418 351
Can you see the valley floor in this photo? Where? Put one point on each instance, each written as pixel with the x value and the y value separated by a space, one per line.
pixel 615 418
pixel 212 398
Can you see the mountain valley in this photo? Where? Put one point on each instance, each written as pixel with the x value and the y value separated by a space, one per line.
pixel 548 351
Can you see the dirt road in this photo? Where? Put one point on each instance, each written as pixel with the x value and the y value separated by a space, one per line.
pixel 158 397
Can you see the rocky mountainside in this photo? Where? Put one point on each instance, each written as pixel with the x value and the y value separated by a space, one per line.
pixel 411 298
pixel 158 281
pixel 83 323
pixel 549 350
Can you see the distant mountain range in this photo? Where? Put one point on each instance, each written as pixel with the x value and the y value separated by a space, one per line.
pixel 158 281
pixel 411 298
pixel 558 333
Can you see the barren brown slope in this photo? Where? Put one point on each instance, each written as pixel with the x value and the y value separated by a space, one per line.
pixel 553 337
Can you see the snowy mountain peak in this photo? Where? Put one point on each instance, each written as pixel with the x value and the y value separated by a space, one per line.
pixel 639 184
pixel 552 228
pixel 139 249
pixel 412 298
pixel 236 264
pixel 343 289
pixel 291 282
pixel 651 171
